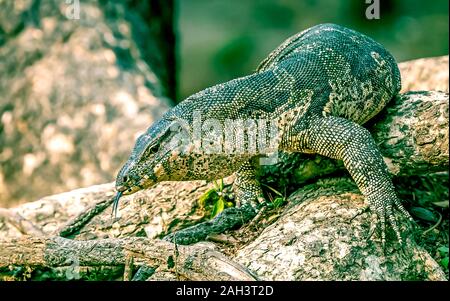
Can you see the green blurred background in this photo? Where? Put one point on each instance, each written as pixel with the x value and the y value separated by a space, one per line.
pixel 222 39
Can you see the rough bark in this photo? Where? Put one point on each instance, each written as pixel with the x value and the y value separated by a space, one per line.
pixel 194 262
pixel 151 213
pixel 316 239
pixel 413 135
pixel 425 74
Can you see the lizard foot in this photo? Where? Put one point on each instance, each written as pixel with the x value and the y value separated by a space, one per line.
pixel 382 211
pixel 229 218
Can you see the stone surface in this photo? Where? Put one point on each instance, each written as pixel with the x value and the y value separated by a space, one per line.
pixel 75 93
pixel 425 74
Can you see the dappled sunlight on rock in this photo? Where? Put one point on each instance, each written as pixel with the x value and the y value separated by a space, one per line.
pixel 74 95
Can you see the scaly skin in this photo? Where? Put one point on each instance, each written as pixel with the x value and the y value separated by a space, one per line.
pixel 318 87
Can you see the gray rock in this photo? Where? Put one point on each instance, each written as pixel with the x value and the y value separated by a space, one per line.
pixel 75 93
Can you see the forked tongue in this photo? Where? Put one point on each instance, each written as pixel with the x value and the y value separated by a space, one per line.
pixel 116 204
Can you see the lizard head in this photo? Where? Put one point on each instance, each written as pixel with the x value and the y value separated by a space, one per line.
pixel 158 155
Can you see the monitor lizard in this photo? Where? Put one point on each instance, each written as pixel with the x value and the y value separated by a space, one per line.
pixel 318 87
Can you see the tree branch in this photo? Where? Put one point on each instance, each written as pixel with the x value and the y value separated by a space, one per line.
pixel 189 262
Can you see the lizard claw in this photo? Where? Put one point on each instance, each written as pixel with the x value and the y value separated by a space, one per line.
pixel 373 226
pixel 403 211
pixel 375 222
pixel 384 214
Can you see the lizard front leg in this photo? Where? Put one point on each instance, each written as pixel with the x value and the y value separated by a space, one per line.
pixel 248 194
pixel 345 140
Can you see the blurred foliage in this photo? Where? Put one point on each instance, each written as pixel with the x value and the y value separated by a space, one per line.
pixel 443 252
pixel 427 199
pixel 222 39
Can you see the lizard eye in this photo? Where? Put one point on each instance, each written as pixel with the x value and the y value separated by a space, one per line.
pixel 151 150
pixel 125 179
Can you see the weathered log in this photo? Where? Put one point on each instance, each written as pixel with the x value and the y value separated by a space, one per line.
pixel 413 135
pixel 317 239
pixel 194 262
pixel 425 74
pixel 152 213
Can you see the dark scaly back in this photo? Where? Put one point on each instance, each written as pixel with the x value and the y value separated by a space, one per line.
pixel 281 51
pixel 349 74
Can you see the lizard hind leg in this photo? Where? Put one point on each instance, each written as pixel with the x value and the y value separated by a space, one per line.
pixel 345 140
pixel 248 194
